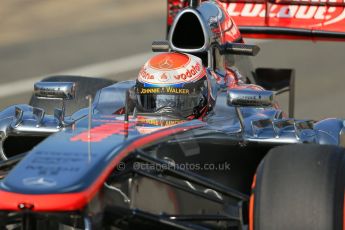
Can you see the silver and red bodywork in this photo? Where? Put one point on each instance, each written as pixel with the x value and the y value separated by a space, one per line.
pixel 84 177
pixel 87 176
pixel 283 19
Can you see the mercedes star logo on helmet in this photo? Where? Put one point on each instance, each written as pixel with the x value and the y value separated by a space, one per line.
pixel 166 63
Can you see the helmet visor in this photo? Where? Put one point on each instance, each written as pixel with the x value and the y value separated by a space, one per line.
pixel 181 101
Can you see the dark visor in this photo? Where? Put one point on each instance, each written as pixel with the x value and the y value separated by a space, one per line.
pixel 181 101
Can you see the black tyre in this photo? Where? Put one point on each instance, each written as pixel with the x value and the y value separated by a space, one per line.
pixel 299 187
pixel 84 86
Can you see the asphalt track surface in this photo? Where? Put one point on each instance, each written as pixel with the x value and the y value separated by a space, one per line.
pixel 125 42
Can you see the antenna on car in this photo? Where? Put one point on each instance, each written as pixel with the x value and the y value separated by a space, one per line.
pixel 127 107
pixel 126 114
pixel 89 98
pixel 240 118
pixel 135 112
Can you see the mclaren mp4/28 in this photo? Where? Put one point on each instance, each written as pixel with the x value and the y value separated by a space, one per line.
pixel 245 164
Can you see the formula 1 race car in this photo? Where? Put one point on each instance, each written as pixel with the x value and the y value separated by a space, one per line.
pixel 102 163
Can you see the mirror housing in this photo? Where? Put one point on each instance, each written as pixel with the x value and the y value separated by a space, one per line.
pixel 161 46
pixel 238 49
pixel 247 97
pixel 55 90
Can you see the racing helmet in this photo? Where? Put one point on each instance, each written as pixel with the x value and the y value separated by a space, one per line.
pixel 173 83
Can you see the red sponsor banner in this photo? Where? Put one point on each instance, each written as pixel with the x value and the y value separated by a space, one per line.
pixel 174 6
pixel 99 133
pixel 320 19
pixel 300 16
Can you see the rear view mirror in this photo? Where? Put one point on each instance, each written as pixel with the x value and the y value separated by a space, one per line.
pixel 161 46
pixel 55 90
pixel 278 80
pixel 246 97
pixel 239 49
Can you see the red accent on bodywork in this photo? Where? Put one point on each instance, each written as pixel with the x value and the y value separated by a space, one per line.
pixel 251 205
pixel 103 131
pixel 254 182
pixel 76 201
pixel 230 31
pixel 251 212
